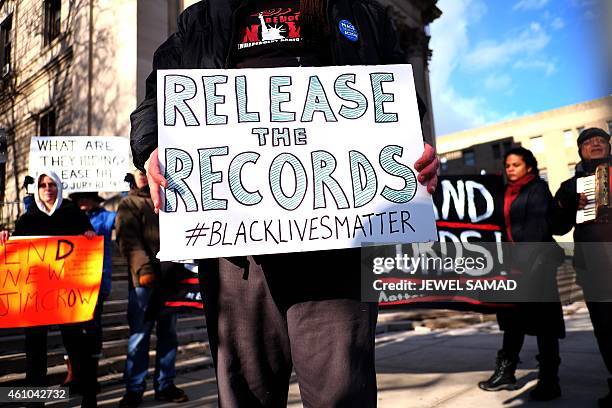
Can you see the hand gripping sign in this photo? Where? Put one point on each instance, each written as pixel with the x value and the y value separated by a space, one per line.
pixel 50 280
pixel 279 160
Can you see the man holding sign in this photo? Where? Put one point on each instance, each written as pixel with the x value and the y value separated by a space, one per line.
pixel 267 314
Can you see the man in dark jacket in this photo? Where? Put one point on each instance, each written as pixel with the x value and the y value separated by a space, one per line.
pixel 267 315
pixel 137 228
pixel 593 243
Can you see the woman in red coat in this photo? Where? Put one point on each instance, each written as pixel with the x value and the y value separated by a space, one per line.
pixel 527 210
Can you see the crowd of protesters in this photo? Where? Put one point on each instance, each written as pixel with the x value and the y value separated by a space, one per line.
pixel 269 315
pixel 531 214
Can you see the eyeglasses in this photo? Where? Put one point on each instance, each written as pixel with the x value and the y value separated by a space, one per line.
pixel 47 185
pixel 594 140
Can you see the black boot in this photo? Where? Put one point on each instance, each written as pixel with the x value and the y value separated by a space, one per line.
pixel 548 380
pixel 606 402
pixel 503 377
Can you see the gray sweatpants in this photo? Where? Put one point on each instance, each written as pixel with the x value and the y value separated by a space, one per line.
pixel 265 319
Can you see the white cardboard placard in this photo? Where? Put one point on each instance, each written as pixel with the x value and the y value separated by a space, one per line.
pixel 279 160
pixel 83 163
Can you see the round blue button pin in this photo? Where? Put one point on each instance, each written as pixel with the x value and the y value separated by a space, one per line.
pixel 349 30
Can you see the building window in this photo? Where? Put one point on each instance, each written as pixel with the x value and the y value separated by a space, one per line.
pixel 5 46
pixel 469 158
pixel 443 164
pixel 496 151
pixel 537 144
pixel 507 146
pixel 53 11
pixel 568 136
pixel 46 124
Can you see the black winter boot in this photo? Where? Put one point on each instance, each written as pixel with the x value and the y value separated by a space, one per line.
pixel 503 377
pixel 548 381
pixel 606 402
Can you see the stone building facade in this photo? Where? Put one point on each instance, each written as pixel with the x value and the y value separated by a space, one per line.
pixel 78 67
pixel 550 135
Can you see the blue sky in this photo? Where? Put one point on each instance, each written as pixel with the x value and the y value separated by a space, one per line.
pixel 495 60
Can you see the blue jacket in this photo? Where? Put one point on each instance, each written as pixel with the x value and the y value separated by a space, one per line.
pixel 103 222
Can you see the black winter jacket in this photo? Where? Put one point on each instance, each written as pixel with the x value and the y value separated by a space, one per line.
pixel 566 200
pixel 66 220
pixel 530 214
pixel 204 38
pixel 592 240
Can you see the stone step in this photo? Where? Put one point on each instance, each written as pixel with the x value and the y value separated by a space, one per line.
pixel 15 343
pixel 15 363
pixel 193 355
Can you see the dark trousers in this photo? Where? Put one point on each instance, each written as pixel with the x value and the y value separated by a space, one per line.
pixel 77 347
pixel 601 318
pixel 262 323
pixel 548 346
pixel 93 330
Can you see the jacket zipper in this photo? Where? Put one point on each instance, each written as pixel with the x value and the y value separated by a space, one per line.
pixel 332 33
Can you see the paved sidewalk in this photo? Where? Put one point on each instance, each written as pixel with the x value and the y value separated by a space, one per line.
pixel 441 369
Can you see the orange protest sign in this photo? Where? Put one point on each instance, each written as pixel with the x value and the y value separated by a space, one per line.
pixel 51 280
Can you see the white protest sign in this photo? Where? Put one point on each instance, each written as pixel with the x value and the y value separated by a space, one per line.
pixel 84 163
pixel 263 161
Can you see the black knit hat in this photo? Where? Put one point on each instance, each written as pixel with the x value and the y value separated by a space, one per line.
pixel 86 196
pixel 589 133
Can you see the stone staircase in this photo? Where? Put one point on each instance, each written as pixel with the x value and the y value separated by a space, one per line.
pixel 193 350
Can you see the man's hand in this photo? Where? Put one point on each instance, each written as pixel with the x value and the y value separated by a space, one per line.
pixel 582 201
pixel 4 236
pixel 147 281
pixel 90 234
pixel 156 180
pixel 427 166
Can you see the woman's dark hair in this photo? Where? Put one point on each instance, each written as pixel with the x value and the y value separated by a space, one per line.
pixel 131 180
pixel 527 157
pixel 313 20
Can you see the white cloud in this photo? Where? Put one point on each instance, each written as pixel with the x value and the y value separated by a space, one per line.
pixel 453 110
pixel 583 3
pixel 489 54
pixel 498 83
pixel 548 67
pixel 557 23
pixel 530 4
pixel 591 9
